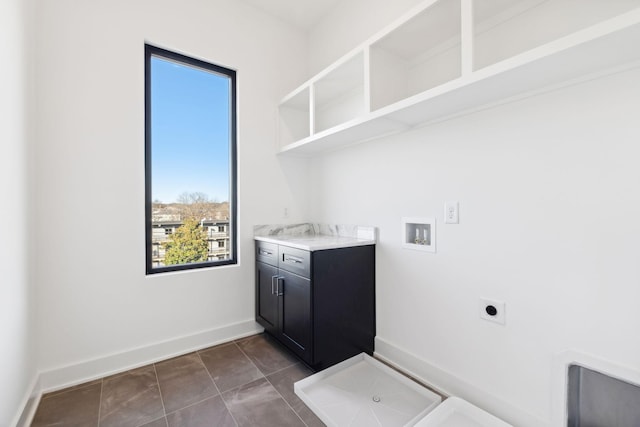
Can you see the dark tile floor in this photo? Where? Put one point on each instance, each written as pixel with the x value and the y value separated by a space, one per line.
pixel 248 382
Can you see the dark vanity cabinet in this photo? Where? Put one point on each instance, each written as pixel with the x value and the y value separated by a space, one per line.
pixel 319 304
pixel 283 295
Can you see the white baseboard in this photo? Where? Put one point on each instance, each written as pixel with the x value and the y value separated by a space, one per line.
pixel 451 385
pixel 78 373
pixel 29 404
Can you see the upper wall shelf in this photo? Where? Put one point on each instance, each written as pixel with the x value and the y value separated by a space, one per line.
pixel 446 57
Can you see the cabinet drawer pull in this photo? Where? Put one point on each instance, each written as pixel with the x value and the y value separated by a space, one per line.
pixel 263 252
pixel 273 285
pixel 293 259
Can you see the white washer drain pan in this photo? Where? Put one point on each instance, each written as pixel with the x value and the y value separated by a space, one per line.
pixel 456 412
pixel 362 392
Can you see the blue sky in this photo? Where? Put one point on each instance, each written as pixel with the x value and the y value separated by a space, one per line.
pixel 189 131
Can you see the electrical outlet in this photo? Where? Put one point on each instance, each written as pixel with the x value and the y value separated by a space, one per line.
pixel 451 212
pixel 492 310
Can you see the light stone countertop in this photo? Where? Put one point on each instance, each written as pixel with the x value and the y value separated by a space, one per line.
pixel 316 237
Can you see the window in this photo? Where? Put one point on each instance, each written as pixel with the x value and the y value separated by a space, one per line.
pixel 190 160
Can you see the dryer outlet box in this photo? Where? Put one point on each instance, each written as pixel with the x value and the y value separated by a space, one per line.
pixel 492 310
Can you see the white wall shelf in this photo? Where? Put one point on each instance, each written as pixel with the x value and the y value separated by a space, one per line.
pixel 421 54
pixel 449 57
pixel 295 116
pixel 339 95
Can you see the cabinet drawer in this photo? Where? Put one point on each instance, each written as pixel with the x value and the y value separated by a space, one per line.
pixel 267 253
pixel 297 261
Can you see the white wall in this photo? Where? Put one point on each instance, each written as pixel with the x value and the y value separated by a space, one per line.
pixel 548 223
pixel 17 337
pixel 95 303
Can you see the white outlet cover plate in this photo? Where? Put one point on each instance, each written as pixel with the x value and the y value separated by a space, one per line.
pixel 451 212
pixel 500 316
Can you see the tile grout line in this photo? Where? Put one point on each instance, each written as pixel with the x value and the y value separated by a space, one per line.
pixel 217 388
pixel 259 370
pixel 287 367
pixel 267 378
pixel 209 375
pixel 250 361
pixel 286 401
pixel 191 404
pixel 100 400
pixel 164 410
pixel 152 421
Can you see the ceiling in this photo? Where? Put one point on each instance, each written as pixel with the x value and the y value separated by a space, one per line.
pixel 303 14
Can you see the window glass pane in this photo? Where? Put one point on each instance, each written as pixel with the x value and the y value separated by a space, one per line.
pixel 190 162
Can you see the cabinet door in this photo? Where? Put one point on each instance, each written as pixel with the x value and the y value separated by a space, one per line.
pixel 266 297
pixel 295 317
